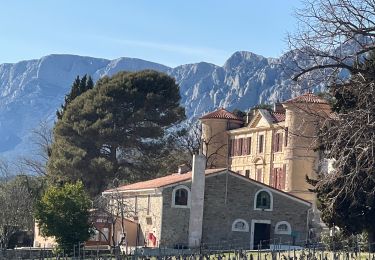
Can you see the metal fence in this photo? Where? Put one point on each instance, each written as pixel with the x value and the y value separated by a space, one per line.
pixel 222 250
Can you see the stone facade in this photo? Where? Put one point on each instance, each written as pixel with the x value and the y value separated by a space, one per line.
pixel 175 223
pixel 148 212
pixel 227 198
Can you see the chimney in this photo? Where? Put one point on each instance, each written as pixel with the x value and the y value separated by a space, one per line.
pixel 197 200
pixel 183 168
pixel 278 108
pixel 248 117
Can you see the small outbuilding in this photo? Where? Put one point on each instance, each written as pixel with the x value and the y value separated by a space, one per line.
pixel 213 207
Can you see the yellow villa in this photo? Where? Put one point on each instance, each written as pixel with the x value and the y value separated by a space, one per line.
pixel 273 147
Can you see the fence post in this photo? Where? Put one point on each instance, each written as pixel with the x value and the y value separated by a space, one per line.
pixel 79 250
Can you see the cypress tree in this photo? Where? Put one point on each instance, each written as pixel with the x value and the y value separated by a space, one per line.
pixel 79 86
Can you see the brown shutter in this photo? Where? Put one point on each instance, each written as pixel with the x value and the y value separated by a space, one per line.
pixel 249 145
pixel 260 143
pixel 238 147
pixel 236 141
pixel 274 142
pixel 244 146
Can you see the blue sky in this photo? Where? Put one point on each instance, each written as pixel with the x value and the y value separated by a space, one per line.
pixel 170 32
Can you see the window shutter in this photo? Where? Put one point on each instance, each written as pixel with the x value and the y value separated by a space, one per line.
pixel 236 143
pixel 274 141
pixel 240 150
pixel 244 146
pixel 249 145
pixel 260 143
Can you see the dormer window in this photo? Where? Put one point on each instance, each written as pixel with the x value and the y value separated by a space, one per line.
pixel 181 197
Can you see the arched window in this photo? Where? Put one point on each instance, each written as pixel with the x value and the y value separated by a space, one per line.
pixel 263 200
pixel 181 197
pixel 240 225
pixel 283 228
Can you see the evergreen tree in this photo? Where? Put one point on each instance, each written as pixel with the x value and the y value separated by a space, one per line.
pixel 108 131
pixel 79 86
pixel 347 196
pixel 63 212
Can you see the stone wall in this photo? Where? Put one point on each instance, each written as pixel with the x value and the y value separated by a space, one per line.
pixel 228 198
pixel 148 212
pixel 175 225
pixel 226 201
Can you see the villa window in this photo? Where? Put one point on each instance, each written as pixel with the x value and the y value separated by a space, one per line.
pixel 263 200
pixel 180 197
pixel 240 225
pixel 247 173
pixel 283 228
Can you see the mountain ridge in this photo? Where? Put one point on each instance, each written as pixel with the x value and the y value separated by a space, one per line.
pixel 31 91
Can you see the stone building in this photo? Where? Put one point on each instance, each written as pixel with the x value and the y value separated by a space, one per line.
pixel 212 207
pixel 273 147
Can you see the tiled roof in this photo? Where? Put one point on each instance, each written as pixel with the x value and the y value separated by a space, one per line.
pixel 176 178
pixel 221 114
pixel 307 98
pixel 279 117
pixel 162 181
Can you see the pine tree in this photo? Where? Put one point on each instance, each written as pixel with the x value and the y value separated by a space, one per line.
pixel 107 131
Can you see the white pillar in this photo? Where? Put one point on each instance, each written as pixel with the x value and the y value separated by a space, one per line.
pixel 197 200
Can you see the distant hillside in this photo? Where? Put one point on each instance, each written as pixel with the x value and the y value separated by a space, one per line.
pixel 31 91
